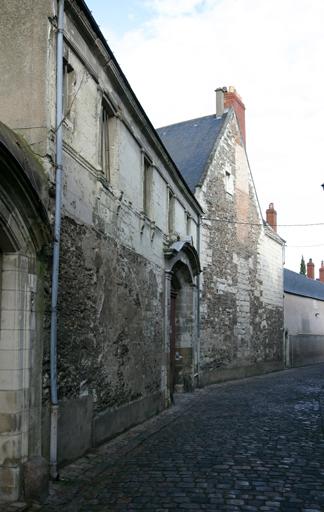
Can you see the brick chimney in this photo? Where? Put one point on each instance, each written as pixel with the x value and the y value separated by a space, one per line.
pixel 310 269
pixel 232 99
pixel 272 217
pixel 321 272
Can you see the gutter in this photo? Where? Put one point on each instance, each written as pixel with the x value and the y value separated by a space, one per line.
pixel 57 235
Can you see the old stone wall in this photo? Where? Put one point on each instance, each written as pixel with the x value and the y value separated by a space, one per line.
pixel 110 324
pixel 241 303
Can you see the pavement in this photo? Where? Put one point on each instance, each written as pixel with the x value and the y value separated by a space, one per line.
pixel 250 445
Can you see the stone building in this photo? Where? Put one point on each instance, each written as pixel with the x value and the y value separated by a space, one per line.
pixel 131 240
pixel 127 294
pixel 241 328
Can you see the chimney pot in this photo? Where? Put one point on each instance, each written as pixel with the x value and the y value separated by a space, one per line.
pixel 271 216
pixel 310 269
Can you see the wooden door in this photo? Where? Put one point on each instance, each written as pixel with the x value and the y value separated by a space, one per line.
pixel 172 341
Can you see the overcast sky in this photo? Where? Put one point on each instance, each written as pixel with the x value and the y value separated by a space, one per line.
pixel 176 52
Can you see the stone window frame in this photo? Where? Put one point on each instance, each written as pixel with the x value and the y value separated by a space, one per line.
pixel 107 136
pixel 147 188
pixel 229 183
pixel 188 218
pixel 171 198
pixel 69 81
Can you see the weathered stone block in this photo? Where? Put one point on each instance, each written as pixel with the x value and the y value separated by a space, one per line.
pixel 9 483
pixel 36 479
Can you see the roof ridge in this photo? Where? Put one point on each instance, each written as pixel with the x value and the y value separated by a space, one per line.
pixel 191 120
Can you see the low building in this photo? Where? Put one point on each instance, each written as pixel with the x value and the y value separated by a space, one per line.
pixel 304 317
pixel 241 330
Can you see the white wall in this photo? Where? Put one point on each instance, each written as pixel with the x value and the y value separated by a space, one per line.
pixel 303 315
pixel 271 270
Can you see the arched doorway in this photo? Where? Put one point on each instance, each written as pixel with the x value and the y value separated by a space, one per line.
pixel 182 330
pixel 24 232
pixel 181 338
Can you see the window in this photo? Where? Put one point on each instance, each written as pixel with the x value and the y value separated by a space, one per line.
pixel 147 186
pixel 188 224
pixel 68 87
pixel 171 211
pixel 229 183
pixel 106 142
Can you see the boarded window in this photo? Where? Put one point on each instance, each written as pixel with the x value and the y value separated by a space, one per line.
pixel 68 87
pixel 107 137
pixel 147 186
pixel 188 224
pixel 105 142
pixel 171 211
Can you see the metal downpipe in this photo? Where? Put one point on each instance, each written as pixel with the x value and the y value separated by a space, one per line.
pixel 57 235
pixel 198 301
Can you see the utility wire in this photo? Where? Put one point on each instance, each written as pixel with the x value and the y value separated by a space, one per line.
pixel 226 221
pixel 302 246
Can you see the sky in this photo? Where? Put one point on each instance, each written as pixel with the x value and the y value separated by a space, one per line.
pixel 175 53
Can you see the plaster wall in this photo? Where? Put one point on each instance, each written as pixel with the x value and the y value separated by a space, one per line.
pixel 270 271
pixel 130 141
pixel 24 66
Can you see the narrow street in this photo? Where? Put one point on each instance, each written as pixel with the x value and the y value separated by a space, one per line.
pixel 250 445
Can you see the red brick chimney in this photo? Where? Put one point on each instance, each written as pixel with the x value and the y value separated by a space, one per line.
pixel 310 269
pixel 232 99
pixel 321 272
pixel 272 217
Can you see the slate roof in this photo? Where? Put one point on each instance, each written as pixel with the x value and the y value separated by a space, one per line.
pixel 298 284
pixel 190 144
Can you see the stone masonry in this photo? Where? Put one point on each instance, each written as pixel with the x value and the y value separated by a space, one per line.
pixel 241 306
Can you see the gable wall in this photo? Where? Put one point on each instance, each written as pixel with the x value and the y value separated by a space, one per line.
pixel 241 303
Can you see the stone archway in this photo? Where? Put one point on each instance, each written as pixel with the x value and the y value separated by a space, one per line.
pixel 181 317
pixel 24 232
pixel 182 328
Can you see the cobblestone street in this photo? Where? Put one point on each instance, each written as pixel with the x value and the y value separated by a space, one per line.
pixel 250 445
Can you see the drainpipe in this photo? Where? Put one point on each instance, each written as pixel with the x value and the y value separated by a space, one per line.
pixel 57 235
pixel 198 302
